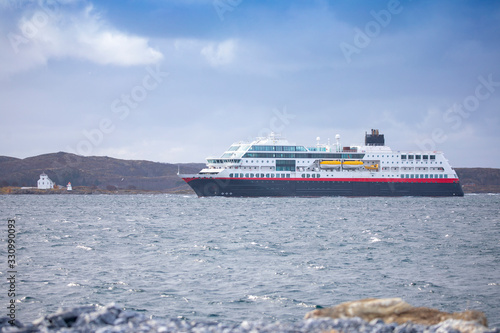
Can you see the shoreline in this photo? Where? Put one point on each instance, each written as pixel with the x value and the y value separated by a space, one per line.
pixel 184 191
pixel 111 318
pixel 88 191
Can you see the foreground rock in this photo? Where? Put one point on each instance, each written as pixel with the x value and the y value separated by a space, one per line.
pixel 395 310
pixel 113 319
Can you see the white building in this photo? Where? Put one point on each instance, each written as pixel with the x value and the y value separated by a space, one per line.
pixel 69 187
pixel 45 182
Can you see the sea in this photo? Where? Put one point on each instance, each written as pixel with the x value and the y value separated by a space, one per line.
pixel 249 259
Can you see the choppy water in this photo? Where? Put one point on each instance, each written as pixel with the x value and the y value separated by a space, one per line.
pixel 235 259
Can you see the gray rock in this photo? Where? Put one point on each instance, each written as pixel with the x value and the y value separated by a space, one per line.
pixel 5 322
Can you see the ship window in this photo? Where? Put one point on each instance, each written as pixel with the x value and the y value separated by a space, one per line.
pixel 433 157
pixel 303 176
pixel 317 176
pixel 403 157
pixel 285 165
pixel 417 157
pixel 230 175
pixel 426 176
pixel 445 176
pixel 308 176
pixel 287 175
pixel 246 175
pixel 410 157
pixel 425 157
pixel 267 175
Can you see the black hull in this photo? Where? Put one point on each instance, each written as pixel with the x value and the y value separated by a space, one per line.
pixel 206 187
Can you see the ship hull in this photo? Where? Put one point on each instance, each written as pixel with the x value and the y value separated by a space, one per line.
pixel 230 187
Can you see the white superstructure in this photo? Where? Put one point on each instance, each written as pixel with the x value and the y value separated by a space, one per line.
pixel 275 157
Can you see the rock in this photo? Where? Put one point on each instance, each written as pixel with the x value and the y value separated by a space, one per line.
pixel 62 318
pixel 461 326
pixel 395 310
pixel 7 322
pixel 111 319
pixel 99 316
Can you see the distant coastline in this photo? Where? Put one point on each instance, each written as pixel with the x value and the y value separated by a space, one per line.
pixel 84 190
pixel 107 175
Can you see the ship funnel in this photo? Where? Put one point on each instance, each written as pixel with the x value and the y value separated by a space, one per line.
pixel 374 139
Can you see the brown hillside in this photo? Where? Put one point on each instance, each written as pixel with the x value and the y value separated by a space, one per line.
pixel 479 180
pixel 99 171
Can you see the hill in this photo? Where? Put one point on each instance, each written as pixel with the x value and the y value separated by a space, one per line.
pixel 102 173
pixel 98 172
pixel 479 180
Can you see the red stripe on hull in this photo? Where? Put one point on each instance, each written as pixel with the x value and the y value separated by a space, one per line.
pixel 365 180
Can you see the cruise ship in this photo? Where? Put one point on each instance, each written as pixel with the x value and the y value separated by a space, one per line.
pixel 272 166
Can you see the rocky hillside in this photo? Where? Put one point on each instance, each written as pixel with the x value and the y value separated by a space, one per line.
pixel 94 171
pixel 479 180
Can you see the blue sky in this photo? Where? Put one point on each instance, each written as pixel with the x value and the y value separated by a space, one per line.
pixel 177 81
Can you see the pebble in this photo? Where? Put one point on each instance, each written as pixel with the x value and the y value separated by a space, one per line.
pixel 112 319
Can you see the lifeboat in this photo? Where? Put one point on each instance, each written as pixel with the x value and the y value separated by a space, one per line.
pixel 330 164
pixel 352 163
pixel 371 167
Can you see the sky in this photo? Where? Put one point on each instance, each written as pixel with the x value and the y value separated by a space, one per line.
pixel 177 81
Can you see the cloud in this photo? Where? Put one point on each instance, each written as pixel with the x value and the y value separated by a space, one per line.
pixel 40 34
pixel 222 53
